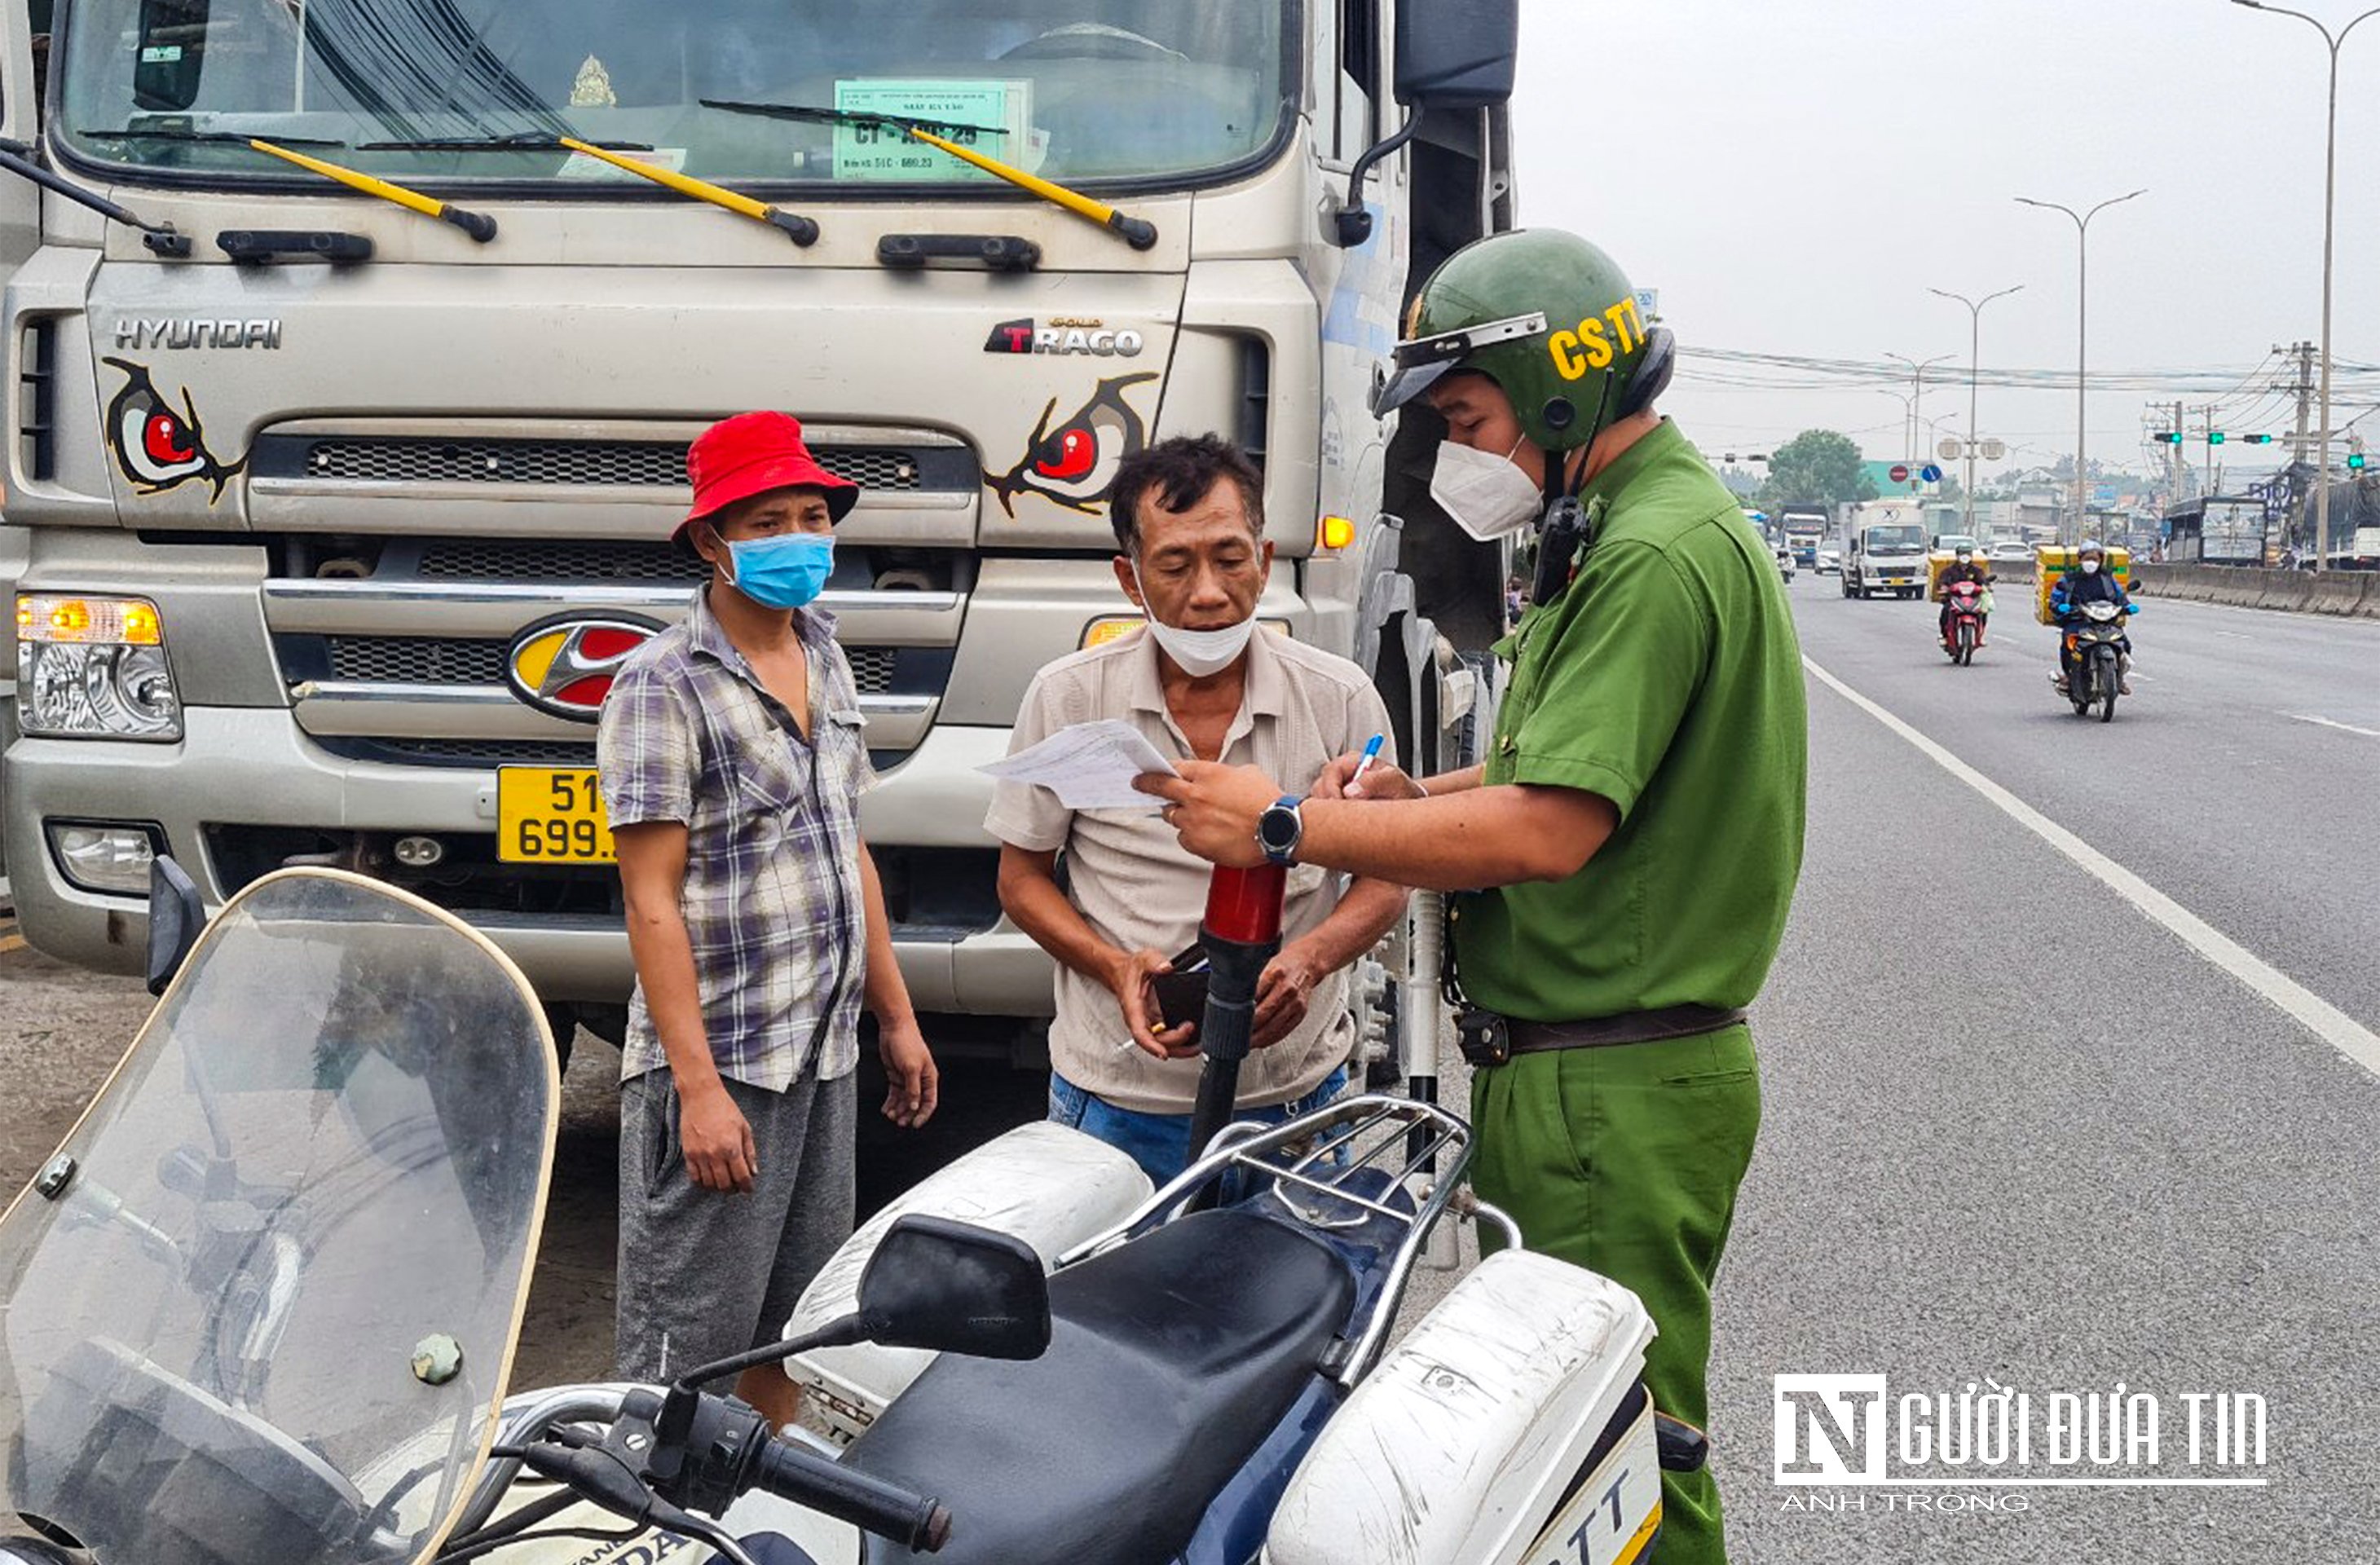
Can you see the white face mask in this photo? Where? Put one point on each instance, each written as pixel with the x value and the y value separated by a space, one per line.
pixel 1200 652
pixel 2090 567
pixel 1485 494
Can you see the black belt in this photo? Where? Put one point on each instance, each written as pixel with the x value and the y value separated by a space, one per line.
pixel 1490 1039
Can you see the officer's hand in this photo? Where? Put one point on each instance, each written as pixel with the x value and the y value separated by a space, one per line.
pixel 1285 990
pixel 1128 977
pixel 1382 781
pixel 719 1151
pixel 1213 809
pixel 912 1084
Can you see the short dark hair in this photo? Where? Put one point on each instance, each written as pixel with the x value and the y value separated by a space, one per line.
pixel 1180 472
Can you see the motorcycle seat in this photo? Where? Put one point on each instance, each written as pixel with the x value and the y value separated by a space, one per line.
pixel 1171 1358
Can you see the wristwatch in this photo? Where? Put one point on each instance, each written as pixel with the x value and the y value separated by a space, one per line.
pixel 1279 829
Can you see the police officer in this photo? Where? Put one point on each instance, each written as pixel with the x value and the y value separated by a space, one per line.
pixel 1632 842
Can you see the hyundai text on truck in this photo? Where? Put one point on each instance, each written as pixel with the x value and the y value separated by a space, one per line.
pixel 342 510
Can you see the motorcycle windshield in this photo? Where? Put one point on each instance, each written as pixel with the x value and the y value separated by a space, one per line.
pixel 270 1313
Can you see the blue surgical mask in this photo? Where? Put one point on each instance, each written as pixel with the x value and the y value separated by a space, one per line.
pixel 785 572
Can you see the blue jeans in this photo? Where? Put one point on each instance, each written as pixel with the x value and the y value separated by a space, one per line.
pixel 1160 1143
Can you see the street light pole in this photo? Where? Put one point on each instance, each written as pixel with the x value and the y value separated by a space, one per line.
pixel 2082 338
pixel 2329 230
pixel 1917 403
pixel 1974 356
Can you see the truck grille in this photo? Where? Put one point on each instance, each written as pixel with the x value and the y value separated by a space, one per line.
pixel 419 660
pixel 527 559
pixel 648 464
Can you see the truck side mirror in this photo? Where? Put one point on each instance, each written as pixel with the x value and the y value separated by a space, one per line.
pixel 1457 58
pixel 1453 58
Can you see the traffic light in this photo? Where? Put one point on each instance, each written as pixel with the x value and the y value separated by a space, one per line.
pixel 2169 437
pixel 2355 461
pixel 2257 440
pixel 2215 437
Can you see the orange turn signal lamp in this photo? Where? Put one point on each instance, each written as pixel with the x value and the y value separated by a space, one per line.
pixel 119 622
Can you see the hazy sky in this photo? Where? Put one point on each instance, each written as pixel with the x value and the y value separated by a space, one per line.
pixel 1793 177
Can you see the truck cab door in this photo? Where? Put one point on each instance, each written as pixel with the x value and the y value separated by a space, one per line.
pixel 20 120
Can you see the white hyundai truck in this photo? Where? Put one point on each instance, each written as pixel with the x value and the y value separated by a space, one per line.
pixel 354 346
pixel 1883 549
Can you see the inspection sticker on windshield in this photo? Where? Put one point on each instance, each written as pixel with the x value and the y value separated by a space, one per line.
pixel 551 815
pixel 991 117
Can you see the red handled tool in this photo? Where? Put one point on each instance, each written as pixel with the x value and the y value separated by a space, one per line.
pixel 1240 933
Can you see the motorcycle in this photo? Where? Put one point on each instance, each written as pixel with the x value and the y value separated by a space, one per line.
pixel 263 1307
pixel 1966 616
pixel 2095 658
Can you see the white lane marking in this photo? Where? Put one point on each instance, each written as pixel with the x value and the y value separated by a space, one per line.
pixel 2234 634
pixel 2316 1014
pixel 2332 723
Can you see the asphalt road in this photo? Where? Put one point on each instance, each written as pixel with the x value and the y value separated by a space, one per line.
pixel 2016 1128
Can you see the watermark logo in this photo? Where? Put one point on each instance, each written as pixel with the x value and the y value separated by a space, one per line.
pixel 1861 1431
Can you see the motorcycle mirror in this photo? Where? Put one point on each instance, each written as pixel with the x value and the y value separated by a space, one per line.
pixel 953 1288
pixel 177 914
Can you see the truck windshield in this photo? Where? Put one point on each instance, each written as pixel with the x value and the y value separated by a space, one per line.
pixel 1077 91
pixel 1895 540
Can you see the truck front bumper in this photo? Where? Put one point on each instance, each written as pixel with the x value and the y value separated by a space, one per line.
pixel 245 776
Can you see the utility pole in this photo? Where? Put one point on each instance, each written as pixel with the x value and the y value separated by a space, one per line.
pixel 2181 463
pixel 2214 463
pixel 2304 388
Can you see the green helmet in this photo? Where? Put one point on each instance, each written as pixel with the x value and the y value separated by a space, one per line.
pixel 1549 318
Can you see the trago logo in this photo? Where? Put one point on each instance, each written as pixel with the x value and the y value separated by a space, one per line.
pixel 564 667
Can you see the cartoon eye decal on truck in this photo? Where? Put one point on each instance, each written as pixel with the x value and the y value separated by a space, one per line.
pixel 1072 461
pixel 157 447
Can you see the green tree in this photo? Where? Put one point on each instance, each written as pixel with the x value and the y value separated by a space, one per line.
pixel 1816 467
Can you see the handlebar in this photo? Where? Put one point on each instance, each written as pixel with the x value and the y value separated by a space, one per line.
pixel 791 1474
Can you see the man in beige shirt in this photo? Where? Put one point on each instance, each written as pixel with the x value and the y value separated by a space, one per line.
pixel 1200 684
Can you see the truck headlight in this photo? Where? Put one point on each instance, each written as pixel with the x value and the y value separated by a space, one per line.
pixel 94 668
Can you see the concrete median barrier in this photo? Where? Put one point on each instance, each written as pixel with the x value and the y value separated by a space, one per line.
pixel 2333 592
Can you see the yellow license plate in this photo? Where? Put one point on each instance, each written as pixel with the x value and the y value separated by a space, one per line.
pixel 551 815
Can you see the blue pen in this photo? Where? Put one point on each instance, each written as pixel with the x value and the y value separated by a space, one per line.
pixel 1371 754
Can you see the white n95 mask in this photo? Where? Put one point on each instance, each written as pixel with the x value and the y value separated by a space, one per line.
pixel 1485 494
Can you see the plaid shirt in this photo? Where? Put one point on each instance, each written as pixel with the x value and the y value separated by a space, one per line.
pixel 773 898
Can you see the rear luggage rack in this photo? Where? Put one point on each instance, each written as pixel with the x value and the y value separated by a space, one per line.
pixel 1313 1164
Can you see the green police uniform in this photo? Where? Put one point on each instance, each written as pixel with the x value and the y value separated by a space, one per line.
pixel 1668 680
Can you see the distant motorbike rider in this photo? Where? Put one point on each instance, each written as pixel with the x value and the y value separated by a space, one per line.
pixel 1965 567
pixel 2090 582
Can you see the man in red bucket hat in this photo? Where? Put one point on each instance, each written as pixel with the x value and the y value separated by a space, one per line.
pixel 732 761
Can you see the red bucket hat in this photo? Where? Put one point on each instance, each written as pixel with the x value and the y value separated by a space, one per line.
pixel 752 453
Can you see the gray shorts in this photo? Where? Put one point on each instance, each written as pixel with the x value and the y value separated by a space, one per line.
pixel 705 1274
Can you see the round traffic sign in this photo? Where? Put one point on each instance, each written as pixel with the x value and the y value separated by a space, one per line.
pixel 1930 473
pixel 1899 473
pixel 1948 450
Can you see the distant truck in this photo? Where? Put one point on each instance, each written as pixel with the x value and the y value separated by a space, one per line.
pixel 2216 530
pixel 1805 529
pixel 1883 549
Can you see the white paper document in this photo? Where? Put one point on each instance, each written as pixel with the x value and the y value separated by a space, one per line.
pixel 1088 766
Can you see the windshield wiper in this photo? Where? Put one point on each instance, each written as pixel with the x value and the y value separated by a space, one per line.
pixel 803 231
pixel 160 238
pixel 818 114
pixel 179 133
pixel 1140 233
pixel 479 224
pixel 511 141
